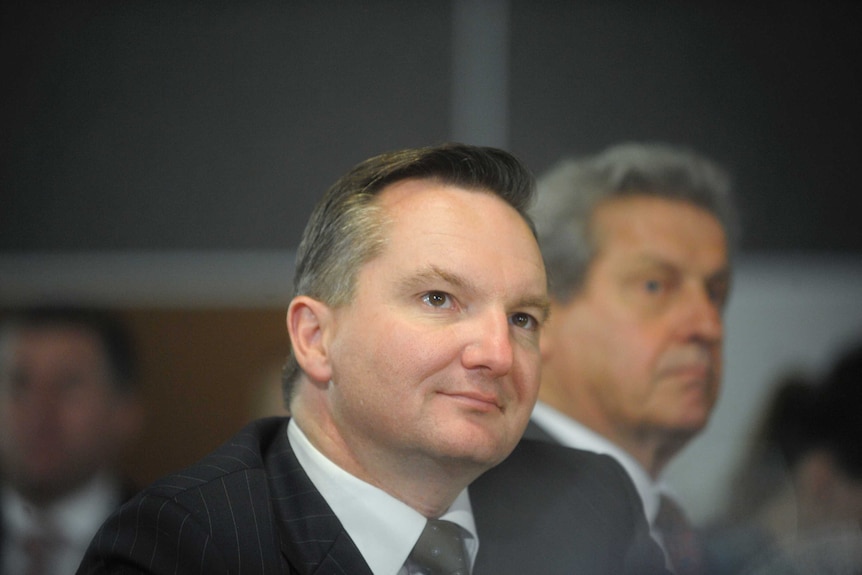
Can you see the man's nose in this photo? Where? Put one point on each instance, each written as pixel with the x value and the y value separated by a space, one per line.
pixel 490 344
pixel 703 319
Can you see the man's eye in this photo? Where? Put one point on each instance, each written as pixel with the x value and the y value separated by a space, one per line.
pixel 437 299
pixel 653 286
pixel 525 321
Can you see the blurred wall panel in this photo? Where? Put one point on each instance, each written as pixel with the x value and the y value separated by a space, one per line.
pixel 204 125
pixel 203 374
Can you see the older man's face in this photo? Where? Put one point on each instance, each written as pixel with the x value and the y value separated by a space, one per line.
pixel 639 349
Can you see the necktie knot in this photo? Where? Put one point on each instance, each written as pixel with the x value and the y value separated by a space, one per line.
pixel 440 550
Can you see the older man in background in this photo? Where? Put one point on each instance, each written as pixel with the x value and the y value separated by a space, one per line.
pixel 637 245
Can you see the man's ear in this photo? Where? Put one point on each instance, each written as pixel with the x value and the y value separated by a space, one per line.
pixel 307 322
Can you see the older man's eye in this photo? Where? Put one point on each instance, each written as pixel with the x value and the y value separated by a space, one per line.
pixel 437 299
pixel 653 286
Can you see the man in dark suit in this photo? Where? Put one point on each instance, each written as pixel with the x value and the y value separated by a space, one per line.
pixel 637 241
pixel 68 405
pixel 419 293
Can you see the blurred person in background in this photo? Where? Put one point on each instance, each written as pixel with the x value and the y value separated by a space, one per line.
pixel 637 242
pixel 68 405
pixel 796 500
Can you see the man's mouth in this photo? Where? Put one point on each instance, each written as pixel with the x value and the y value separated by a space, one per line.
pixel 475 399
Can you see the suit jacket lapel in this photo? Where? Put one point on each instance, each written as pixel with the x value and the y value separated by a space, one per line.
pixel 312 538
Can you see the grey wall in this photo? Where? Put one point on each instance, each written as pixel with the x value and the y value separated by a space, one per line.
pixel 215 125
pixel 771 89
pixel 198 125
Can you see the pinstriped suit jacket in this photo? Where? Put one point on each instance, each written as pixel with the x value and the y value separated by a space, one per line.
pixel 249 508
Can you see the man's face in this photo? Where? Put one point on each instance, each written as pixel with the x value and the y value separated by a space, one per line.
pixel 58 412
pixel 638 350
pixel 437 356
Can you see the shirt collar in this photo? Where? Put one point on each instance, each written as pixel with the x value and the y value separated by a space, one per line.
pixel 383 528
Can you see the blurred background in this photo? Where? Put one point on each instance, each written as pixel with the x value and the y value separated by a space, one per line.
pixel 161 158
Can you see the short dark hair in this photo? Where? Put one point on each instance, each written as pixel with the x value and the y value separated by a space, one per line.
pixel 836 424
pixel 345 229
pixel 112 333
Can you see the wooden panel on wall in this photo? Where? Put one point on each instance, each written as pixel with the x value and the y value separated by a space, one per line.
pixel 203 375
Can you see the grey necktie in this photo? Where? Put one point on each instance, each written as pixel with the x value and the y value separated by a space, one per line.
pixel 440 550
pixel 681 542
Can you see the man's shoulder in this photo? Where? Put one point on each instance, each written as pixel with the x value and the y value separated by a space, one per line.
pixel 215 516
pixel 241 454
pixel 547 472
pixel 537 432
pixel 563 503
pixel 537 456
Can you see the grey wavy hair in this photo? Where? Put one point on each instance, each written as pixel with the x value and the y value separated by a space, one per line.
pixel 570 192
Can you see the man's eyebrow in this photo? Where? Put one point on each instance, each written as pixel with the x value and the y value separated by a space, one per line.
pixel 432 272
pixel 647 260
pixel 652 261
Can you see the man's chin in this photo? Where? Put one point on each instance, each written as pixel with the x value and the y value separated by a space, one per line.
pixel 482 446
pixel 694 416
pixel 688 429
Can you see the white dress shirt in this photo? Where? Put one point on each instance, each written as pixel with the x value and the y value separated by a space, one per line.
pixel 75 519
pixel 571 433
pixel 383 528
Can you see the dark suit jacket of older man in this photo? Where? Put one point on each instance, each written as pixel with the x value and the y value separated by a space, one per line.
pixel 250 508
